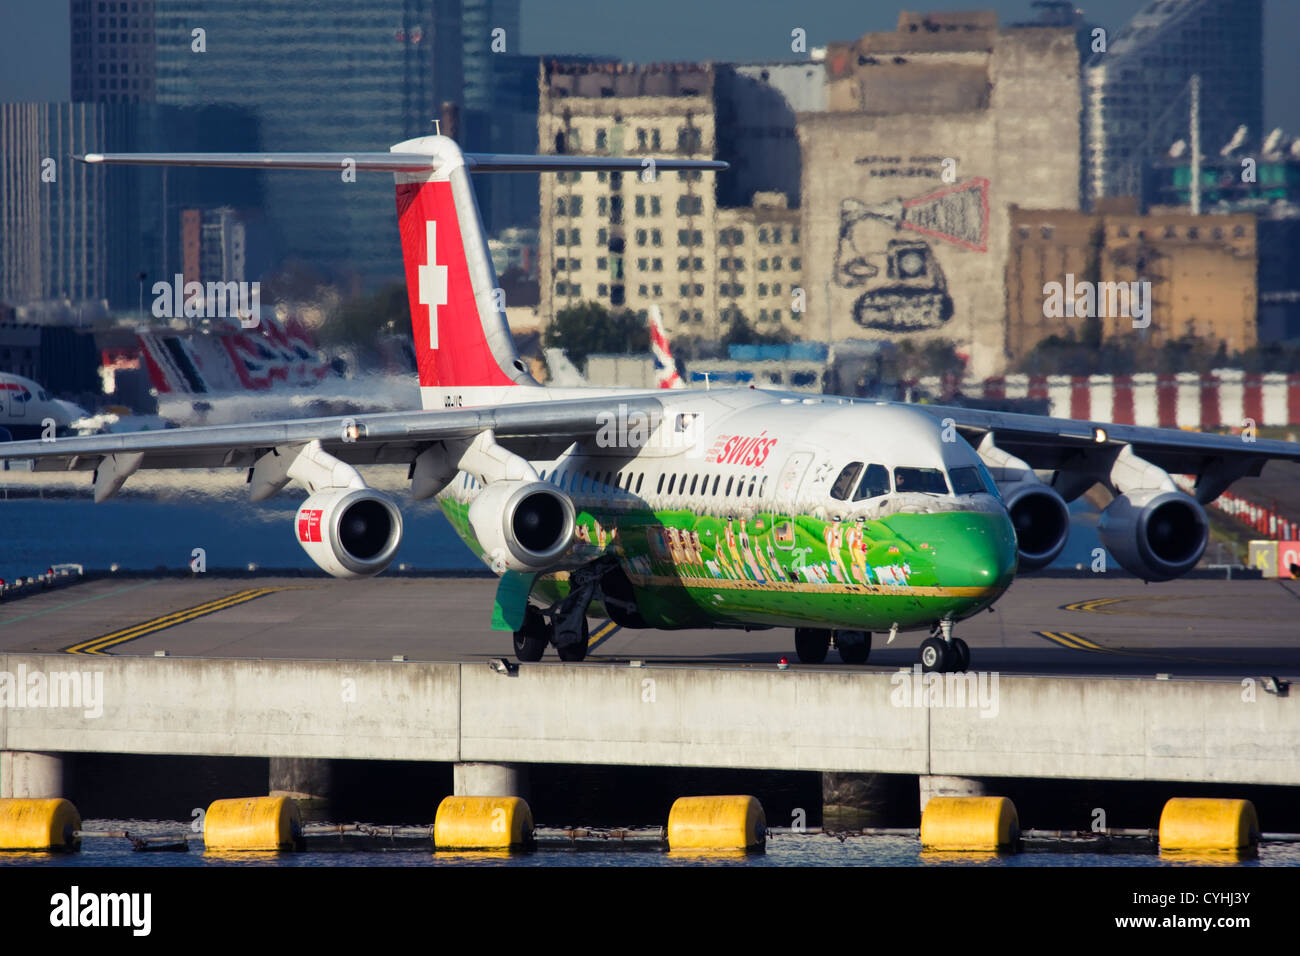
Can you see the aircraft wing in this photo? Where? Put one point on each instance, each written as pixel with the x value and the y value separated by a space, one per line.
pixel 1088 448
pixel 355 439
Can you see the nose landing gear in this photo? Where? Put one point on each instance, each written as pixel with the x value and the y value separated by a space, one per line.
pixel 941 652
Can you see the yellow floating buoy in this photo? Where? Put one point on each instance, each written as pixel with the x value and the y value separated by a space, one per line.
pixel 482 823
pixel 717 823
pixel 30 824
pixel 1203 823
pixel 970 823
pixel 252 823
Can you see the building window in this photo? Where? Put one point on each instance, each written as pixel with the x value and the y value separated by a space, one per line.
pixel 762 234
pixel 656 237
pixel 796 263
pixel 602 206
pixel 657 265
pixel 640 205
pixel 602 237
pixel 640 237
pixel 776 263
pixel 655 208
pixel 762 265
pixel 689 205
pixel 574 238
pixel 560 236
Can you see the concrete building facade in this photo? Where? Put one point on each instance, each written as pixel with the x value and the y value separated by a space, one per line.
pixel 1201 269
pixel 934 132
pixel 626 240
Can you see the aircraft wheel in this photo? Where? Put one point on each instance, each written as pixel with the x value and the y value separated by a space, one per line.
pixel 855 651
pixel 576 651
pixel 934 654
pixel 960 654
pixel 532 638
pixel 811 644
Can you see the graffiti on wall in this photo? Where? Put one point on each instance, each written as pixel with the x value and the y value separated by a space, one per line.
pixel 885 253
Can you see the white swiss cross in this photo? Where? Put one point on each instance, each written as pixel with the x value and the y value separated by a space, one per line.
pixel 433 281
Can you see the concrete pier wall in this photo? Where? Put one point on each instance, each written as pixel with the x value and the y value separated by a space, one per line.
pixel 861 721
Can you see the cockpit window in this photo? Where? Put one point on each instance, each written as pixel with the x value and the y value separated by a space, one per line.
pixel 967 481
pixel 875 482
pixel 844 483
pixel 926 480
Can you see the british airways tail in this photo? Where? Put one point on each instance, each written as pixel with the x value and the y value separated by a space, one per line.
pixel 665 366
pixel 464 352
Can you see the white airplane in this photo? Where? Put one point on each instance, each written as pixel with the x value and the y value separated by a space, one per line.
pixel 28 411
pixel 723 508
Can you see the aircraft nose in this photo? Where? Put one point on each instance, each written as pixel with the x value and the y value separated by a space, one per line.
pixel 982 555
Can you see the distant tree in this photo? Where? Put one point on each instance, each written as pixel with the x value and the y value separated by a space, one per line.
pixel 740 332
pixel 591 329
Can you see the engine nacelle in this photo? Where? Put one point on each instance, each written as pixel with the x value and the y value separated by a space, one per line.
pixel 1042 522
pixel 522 525
pixel 1155 534
pixel 349 533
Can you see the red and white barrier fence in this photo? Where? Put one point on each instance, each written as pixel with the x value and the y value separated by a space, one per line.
pixel 1226 398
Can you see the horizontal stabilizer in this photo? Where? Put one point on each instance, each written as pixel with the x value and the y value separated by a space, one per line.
pixel 402 162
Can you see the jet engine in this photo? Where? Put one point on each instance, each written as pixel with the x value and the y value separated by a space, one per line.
pixel 350 533
pixel 1042 522
pixel 522 525
pixel 1155 534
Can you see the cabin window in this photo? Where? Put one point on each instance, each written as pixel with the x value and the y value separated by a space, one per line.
pixel 753 484
pixel 716 479
pixel 928 481
pixel 672 479
pixel 659 488
pixel 762 487
pixel 844 483
pixel 730 480
pixel 694 479
pixel 638 483
pixel 875 482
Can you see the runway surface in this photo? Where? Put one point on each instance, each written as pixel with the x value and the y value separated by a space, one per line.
pixel 1054 625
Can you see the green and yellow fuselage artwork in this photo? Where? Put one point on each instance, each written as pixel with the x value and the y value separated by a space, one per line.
pixel 777 558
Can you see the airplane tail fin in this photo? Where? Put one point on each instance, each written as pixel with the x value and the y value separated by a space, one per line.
pixel 464 351
pixel 665 366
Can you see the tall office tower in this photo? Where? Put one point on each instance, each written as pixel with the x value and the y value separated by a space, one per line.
pixel 51 209
pixel 334 75
pixel 112 51
pixel 1137 97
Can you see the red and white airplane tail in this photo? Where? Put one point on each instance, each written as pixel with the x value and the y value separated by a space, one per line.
pixel 665 367
pixel 464 351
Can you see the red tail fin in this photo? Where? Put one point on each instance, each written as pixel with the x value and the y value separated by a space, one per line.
pixel 462 341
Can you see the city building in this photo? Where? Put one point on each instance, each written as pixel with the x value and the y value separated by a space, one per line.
pixel 52 209
pixel 346 76
pixel 933 132
pixel 629 240
pixel 760 270
pixel 1137 91
pixel 1202 272
pixel 706 249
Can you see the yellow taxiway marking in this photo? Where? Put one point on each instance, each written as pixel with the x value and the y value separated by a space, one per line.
pixel 98 645
pixel 1076 643
pixel 601 634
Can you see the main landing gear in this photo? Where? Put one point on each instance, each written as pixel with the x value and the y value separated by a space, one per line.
pixel 942 652
pixel 565 623
pixel 812 643
pixel 532 638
